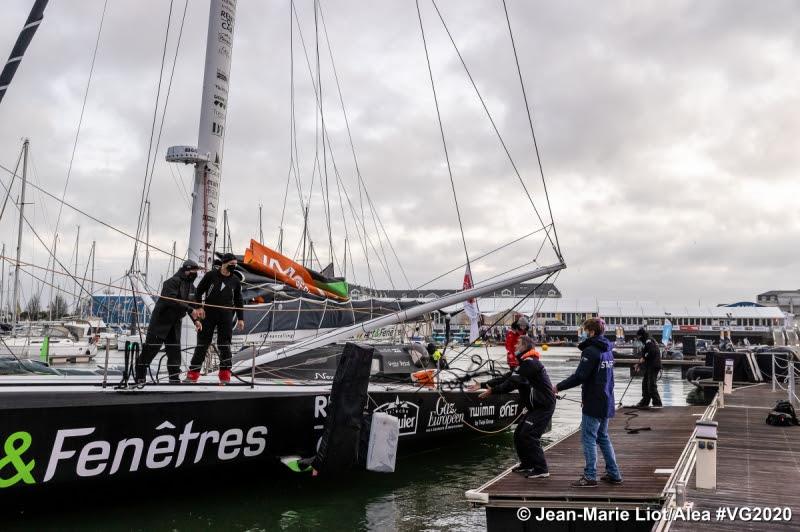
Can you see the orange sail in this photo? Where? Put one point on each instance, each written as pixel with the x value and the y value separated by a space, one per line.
pixel 270 262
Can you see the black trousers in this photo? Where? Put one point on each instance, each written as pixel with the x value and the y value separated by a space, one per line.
pixel 650 386
pixel 527 439
pixel 222 322
pixel 152 345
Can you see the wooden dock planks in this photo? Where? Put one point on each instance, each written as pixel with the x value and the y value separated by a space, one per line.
pixel 757 464
pixel 638 455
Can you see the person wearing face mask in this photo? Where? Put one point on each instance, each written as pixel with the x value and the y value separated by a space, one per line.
pixel 595 376
pixel 538 400
pixel 165 323
pixel 220 293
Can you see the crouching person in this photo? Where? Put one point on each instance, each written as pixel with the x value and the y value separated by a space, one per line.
pixel 537 399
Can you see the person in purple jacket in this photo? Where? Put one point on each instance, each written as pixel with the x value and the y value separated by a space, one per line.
pixel 595 375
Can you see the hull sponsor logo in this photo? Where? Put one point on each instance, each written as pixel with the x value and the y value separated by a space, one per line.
pixel 74 451
pixel 14 447
pixel 482 415
pixel 405 411
pixel 445 416
pixel 509 409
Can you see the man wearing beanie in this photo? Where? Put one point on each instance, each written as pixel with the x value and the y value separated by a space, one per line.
pixel 220 294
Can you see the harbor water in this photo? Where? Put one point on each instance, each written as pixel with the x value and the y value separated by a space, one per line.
pixel 426 492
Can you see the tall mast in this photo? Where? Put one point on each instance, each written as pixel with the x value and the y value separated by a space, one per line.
pixel 3 283
pixel 147 244
pixel 53 279
pixel 15 298
pixel 213 112
pixel 77 283
pixel 260 227
pixel 91 288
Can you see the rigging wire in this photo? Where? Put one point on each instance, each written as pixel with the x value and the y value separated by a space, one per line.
pixel 353 149
pixel 82 212
pixel 441 131
pixel 145 186
pixel 80 119
pixel 533 134
pixel 491 119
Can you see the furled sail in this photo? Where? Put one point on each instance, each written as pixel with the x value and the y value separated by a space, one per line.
pixel 270 263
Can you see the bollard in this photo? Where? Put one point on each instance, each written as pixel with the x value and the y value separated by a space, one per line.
pixel 728 376
pixel 705 471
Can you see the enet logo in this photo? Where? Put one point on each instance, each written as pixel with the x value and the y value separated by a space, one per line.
pixel 14 447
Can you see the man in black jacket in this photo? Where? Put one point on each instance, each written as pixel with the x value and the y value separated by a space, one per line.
pixel 165 323
pixel 223 299
pixel 650 363
pixel 537 398
pixel 595 375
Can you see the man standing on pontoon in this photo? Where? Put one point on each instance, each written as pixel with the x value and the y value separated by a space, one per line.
pixel 165 323
pixel 220 293
pixel 595 375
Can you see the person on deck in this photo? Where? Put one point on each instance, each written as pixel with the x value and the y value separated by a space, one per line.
pixel 650 364
pixel 437 356
pixel 165 323
pixel 518 328
pixel 223 299
pixel 537 399
pixel 595 375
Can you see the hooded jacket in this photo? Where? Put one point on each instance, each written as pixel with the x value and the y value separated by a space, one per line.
pixel 595 375
pixel 172 306
pixel 651 353
pixel 532 381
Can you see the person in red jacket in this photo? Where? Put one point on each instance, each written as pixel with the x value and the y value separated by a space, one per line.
pixel 518 328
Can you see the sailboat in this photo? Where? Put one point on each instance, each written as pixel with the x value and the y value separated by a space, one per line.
pixel 82 429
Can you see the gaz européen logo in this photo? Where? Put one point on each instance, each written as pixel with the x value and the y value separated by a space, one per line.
pixel 14 447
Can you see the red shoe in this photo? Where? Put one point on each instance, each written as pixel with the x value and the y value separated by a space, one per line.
pixel 225 376
pixel 192 376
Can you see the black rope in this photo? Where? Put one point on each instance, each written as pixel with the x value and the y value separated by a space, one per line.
pixel 557 246
pixel 631 415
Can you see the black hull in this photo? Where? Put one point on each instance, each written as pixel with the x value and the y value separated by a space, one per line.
pixel 61 440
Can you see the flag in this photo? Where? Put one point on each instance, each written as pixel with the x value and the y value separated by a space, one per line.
pixel 471 308
pixel 666 332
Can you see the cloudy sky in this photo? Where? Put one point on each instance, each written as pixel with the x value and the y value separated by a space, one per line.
pixel 667 130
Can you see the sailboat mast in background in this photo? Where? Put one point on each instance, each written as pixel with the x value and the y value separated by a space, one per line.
pixel 15 297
